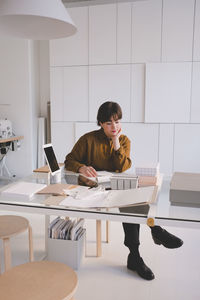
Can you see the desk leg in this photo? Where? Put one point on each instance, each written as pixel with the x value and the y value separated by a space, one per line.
pixel 107 231
pixel 30 239
pixel 98 234
pixel 47 222
pixel 7 254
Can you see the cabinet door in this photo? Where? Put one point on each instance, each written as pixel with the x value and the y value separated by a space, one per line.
pixel 195 105
pixel 62 137
pixel 144 142
pixel 168 92
pixel 102 34
pixel 109 83
pixel 56 93
pixel 72 50
pixel 196 54
pixel 146 31
pixel 178 20
pixel 166 148
pixel 124 33
pixel 75 101
pixel 138 92
pixel 186 148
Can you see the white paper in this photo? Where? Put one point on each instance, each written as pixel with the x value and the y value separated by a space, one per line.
pixel 23 189
pixel 113 198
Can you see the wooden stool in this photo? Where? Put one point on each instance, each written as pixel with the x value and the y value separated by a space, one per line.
pixel 9 227
pixel 44 280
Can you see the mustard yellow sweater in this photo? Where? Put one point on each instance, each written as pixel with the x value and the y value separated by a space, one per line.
pixel 96 149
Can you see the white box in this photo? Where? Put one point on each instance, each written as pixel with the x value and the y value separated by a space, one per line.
pixel 124 182
pixel 127 184
pixel 120 184
pixel 113 182
pixel 66 251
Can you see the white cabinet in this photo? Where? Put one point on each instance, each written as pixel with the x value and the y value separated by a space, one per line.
pixel 195 104
pixel 138 92
pixel 144 142
pixel 196 52
pixel 62 138
pixel 186 148
pixel 56 83
pixel 72 50
pixel 82 128
pixel 146 31
pixel 177 37
pixel 102 34
pixel 75 103
pixel 168 92
pixel 166 144
pixel 109 83
pixel 124 33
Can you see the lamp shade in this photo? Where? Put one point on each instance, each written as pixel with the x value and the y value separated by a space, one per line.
pixel 35 19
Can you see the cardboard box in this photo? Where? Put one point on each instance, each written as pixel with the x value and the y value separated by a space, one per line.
pixel 185 189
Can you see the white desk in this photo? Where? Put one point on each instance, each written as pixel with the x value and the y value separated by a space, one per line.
pixel 159 213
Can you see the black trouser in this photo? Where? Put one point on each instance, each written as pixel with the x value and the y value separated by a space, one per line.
pixel 132 239
pixel 132 231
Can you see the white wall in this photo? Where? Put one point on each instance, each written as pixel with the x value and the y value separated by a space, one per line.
pixel 19 89
pixel 107 59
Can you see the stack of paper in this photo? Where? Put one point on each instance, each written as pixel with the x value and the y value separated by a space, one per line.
pixel 66 229
pixel 23 190
pixel 96 198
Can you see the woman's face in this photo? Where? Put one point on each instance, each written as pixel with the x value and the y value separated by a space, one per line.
pixel 111 127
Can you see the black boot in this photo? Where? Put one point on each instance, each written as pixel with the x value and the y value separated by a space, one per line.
pixel 137 264
pixel 162 236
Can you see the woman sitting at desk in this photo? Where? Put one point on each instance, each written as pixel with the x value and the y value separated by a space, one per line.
pixel 108 149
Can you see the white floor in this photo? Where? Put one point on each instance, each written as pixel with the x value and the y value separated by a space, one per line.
pixel 177 272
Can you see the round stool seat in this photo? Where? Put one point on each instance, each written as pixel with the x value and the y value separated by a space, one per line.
pixel 12 225
pixel 38 281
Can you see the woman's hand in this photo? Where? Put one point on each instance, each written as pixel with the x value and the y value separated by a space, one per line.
pixel 115 140
pixel 88 171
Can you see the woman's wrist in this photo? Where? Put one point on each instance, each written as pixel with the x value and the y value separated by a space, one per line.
pixel 116 143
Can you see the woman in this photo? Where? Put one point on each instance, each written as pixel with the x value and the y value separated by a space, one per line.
pixel 108 149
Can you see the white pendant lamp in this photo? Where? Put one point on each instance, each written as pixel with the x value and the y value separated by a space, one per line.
pixel 35 19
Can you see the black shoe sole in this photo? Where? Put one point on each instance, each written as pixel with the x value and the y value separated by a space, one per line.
pixel 158 242
pixel 135 270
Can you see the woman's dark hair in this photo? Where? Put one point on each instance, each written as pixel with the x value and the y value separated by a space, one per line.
pixel 107 110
